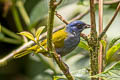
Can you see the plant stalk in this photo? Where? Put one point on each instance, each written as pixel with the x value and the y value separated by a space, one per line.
pixel 52 6
pixel 100 55
pixel 93 42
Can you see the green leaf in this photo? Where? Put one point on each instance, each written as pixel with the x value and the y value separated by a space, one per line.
pixel 38 32
pixel 111 52
pixel 21 54
pixel 113 42
pixel 82 74
pixel 113 73
pixel 30 4
pixel 59 78
pixel 39 11
pixel 103 42
pixel 28 35
pixel 25 51
pixel 83 45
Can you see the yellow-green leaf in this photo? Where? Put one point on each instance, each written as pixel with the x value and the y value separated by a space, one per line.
pixel 25 52
pixel 59 77
pixel 21 54
pixel 111 52
pixel 38 32
pixel 113 41
pixel 28 35
pixel 103 42
pixel 83 45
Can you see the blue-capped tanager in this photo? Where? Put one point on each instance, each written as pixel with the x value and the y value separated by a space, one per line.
pixel 64 40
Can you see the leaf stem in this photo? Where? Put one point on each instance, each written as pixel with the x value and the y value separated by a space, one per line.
pixel 10 33
pixel 12 41
pixel 110 2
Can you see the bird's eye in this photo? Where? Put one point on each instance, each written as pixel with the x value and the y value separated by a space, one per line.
pixel 78 24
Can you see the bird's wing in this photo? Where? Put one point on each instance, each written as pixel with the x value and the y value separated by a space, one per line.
pixel 58 41
pixel 59 37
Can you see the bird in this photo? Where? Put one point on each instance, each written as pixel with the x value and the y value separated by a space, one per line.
pixel 65 40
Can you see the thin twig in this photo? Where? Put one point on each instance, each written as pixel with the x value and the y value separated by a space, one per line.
pixel 100 55
pixel 9 57
pixel 84 36
pixel 58 3
pixel 110 22
pixel 61 18
pixel 5 60
pixel 109 2
pixel 81 15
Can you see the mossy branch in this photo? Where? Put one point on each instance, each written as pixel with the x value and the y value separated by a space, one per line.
pixel 93 42
pixel 52 6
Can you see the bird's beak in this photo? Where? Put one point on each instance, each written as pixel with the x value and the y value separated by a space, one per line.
pixel 87 26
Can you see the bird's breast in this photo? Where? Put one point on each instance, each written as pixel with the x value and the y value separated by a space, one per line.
pixel 70 43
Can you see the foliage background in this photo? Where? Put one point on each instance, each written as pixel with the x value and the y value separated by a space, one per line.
pixel 32 67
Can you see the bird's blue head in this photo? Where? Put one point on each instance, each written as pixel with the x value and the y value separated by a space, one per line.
pixel 76 27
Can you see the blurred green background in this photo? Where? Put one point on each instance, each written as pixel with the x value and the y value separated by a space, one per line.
pixel 28 15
